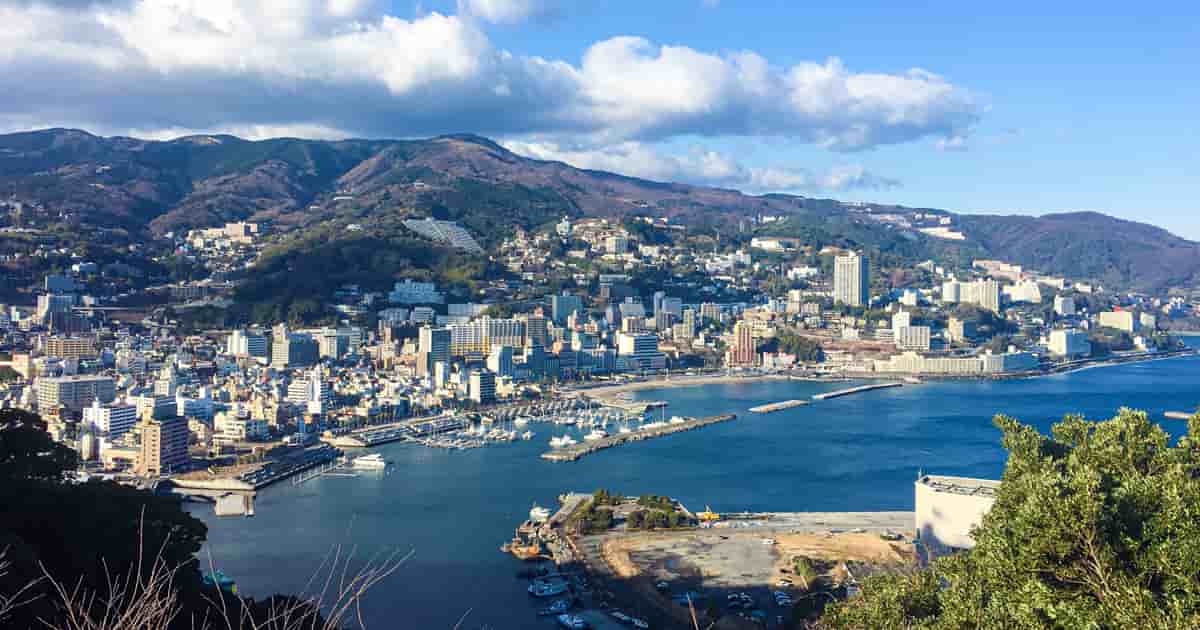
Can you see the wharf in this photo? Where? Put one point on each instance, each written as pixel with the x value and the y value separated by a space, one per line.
pixel 572 453
pixel 855 390
pixel 778 406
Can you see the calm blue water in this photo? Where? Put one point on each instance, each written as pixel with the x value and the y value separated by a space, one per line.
pixel 456 508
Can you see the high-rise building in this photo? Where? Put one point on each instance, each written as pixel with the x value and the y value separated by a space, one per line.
pixel 164 446
pixel 744 349
pixel 74 392
pixel 482 386
pixel 294 350
pixel 500 360
pixel 642 350
pixel 311 391
pixel 852 280
pixel 433 346
pixel 70 347
pixel 246 344
pixel 913 337
pixel 561 306
pixel 1069 343
pixel 537 331
pixel 113 420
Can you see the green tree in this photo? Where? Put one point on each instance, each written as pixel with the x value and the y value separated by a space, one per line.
pixel 1096 526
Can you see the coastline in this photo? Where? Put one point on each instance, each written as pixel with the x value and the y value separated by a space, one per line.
pixel 612 391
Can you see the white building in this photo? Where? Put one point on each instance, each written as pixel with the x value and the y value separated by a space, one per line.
pixel 1069 343
pixel 112 420
pixel 913 337
pixel 948 507
pixel 851 280
pixel 642 350
pixel 1024 291
pixel 409 292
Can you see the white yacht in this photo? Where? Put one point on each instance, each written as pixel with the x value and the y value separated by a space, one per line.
pixel 596 434
pixel 539 514
pixel 374 461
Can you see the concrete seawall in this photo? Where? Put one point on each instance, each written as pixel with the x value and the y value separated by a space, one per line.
pixel 572 453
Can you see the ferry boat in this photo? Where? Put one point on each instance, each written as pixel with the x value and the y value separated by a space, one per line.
pixel 572 622
pixel 547 589
pixel 374 461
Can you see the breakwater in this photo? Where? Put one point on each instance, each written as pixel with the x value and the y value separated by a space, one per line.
pixel 855 390
pixel 576 451
pixel 778 406
pixel 1178 415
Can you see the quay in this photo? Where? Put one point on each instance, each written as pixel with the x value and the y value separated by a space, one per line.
pixel 778 406
pixel 410 430
pixel 855 390
pixel 572 453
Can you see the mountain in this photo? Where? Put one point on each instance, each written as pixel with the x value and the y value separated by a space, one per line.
pixel 155 187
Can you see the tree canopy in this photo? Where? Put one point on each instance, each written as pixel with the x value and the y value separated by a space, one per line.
pixel 1095 526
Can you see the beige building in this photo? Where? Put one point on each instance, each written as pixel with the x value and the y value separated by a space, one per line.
pixel 74 392
pixel 164 446
pixel 851 280
pixel 1127 321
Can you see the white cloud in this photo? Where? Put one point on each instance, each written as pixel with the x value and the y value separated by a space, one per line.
pixel 507 11
pixel 349 66
pixel 703 167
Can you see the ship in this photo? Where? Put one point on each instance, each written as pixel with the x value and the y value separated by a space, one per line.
pixel 547 589
pixel 373 461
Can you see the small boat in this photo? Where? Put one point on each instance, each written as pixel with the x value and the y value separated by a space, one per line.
pixel 557 608
pixel 520 421
pixel 677 420
pixel 596 434
pixel 539 514
pixel 547 589
pixel 572 622
pixel 528 435
pixel 374 461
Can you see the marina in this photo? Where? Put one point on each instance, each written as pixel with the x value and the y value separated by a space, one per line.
pixel 572 452
pixel 779 406
pixel 855 390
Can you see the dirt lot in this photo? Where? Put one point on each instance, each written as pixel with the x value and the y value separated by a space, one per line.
pixel 716 563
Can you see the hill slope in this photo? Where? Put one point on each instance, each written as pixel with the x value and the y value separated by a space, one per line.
pixel 153 187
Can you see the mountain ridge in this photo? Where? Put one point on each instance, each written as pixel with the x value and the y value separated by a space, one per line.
pixel 160 186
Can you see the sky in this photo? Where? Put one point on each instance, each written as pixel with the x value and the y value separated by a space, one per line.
pixel 1015 108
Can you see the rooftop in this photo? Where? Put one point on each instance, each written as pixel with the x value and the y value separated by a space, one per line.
pixel 968 486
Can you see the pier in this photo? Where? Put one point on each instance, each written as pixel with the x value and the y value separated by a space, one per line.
pixel 855 390
pixel 1178 415
pixel 574 452
pixel 778 406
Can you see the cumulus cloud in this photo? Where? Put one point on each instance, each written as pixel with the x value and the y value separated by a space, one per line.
pixel 348 66
pixel 703 167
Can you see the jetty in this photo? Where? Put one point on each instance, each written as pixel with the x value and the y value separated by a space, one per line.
pixel 855 390
pixel 576 451
pixel 778 406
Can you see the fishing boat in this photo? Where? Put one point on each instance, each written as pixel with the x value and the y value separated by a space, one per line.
pixel 374 461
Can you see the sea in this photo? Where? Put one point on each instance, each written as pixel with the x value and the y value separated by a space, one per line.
pixel 453 509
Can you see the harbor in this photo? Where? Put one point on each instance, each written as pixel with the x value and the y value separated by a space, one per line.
pixel 855 390
pixel 574 451
pixel 779 406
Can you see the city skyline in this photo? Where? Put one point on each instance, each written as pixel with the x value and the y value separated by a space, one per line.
pixel 1016 112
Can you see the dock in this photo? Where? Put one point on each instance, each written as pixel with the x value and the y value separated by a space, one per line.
pixel 855 390
pixel 1178 415
pixel 574 452
pixel 778 406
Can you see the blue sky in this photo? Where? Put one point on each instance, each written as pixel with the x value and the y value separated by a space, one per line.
pixel 1026 108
